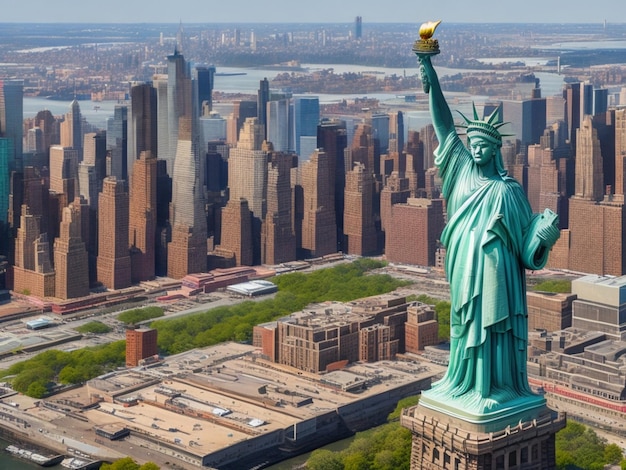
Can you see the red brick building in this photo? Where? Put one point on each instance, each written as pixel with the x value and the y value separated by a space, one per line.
pixel 413 231
pixel 113 254
pixel 421 328
pixel 140 344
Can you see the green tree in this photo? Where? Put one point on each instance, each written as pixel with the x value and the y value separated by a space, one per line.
pixel 96 327
pixel 322 459
pixel 65 367
pixel 37 390
pixel 70 375
pixel 579 447
pixel 613 454
pixel 40 375
pixel 137 315
pixel 126 463
pixel 149 466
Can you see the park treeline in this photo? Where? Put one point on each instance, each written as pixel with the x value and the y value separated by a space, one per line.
pixel 341 283
pixel 45 372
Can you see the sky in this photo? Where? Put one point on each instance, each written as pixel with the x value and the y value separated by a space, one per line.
pixel 311 11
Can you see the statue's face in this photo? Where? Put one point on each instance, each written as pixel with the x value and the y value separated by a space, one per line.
pixel 483 151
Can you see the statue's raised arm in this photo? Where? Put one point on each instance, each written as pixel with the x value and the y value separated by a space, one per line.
pixel 439 109
pixel 425 48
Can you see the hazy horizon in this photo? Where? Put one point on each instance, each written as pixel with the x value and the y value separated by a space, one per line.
pixel 323 11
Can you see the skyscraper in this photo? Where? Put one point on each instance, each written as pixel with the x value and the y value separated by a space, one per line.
pixel 571 93
pixel 620 154
pixel 179 97
pixel 70 256
pixel 72 129
pixel 600 100
pixel 113 269
pixel 319 231
pixel 278 240
pixel 91 173
pixel 163 137
pixel 263 97
pixel 11 132
pixel 236 240
pixel 332 138
pixel 212 129
pixel 187 252
pixel 358 225
pixel 6 156
pixel 64 172
pixel 278 124
pixel 586 100
pixel 380 133
pixel 589 169
pixel 306 117
pixel 396 132
pixel 33 272
pixel 363 150
pixel 247 168
pixel 527 119
pixel 413 231
pixel 142 123
pixel 358 27
pixel 396 191
pixel 92 170
pixel 117 143
pixel 11 119
pixel 247 176
pixel 242 110
pixel 143 217
pixel 203 82
pixel 594 242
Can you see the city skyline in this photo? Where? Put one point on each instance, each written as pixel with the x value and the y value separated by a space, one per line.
pixel 325 11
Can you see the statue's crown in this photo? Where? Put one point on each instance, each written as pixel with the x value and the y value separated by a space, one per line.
pixel 487 129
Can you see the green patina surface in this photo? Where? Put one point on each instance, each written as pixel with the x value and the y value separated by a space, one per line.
pixel 491 237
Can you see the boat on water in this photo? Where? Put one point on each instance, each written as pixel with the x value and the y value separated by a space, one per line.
pixel 43 460
pixel 74 463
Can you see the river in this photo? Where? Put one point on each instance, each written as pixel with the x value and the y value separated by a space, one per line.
pixel 97 113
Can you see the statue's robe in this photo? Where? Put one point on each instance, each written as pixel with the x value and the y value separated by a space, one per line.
pixel 490 240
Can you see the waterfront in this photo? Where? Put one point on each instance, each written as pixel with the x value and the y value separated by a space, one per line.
pixel 10 462
pixel 97 113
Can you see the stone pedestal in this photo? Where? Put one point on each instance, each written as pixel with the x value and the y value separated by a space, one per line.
pixel 444 442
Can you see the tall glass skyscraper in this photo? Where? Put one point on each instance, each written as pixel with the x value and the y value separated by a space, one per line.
pixel 278 124
pixel 203 82
pixel 178 100
pixel 117 142
pixel 11 118
pixel 6 155
pixel 306 117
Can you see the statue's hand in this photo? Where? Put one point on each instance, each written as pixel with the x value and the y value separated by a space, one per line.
pixel 548 231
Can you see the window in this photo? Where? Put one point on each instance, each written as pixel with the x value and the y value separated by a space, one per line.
pixel 524 455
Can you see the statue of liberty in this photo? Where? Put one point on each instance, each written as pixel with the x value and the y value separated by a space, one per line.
pixel 491 238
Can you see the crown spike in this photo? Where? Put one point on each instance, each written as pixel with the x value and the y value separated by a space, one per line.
pixel 495 116
pixel 476 118
pixel 467 121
